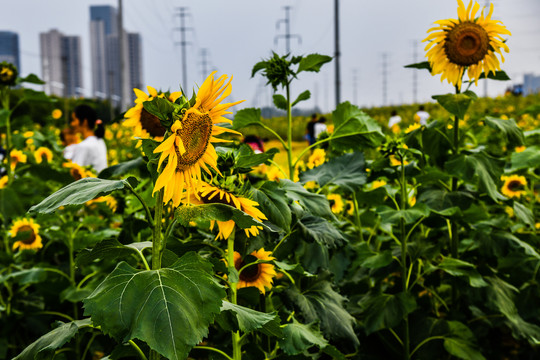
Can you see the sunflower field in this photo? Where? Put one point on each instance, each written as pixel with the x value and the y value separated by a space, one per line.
pixel 415 242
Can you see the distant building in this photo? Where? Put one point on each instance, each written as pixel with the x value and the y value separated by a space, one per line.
pixel 106 60
pixel 9 48
pixel 531 84
pixel 61 64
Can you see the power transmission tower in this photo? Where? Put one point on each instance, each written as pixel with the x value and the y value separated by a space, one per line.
pixel 355 86
pixel 336 51
pixel 287 36
pixel 415 73
pixel 385 77
pixel 205 54
pixel 182 13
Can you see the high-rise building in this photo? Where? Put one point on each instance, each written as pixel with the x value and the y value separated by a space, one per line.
pixel 61 63
pixel 106 59
pixel 531 84
pixel 9 48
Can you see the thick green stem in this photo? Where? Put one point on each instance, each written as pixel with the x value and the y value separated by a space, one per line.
pixel 357 215
pixel 5 105
pixel 237 349
pixel 404 270
pixel 209 348
pixel 289 133
pixel 157 248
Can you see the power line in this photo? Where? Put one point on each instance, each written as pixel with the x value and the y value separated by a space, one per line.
pixel 182 13
pixel 287 36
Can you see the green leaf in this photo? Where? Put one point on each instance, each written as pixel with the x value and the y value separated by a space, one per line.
pixel 458 267
pixel 509 128
pixel 247 161
pixel 299 337
pixel 36 96
pixel 478 168
pixel 31 79
pixel 391 216
pixel 170 308
pixel 261 65
pixel 4 115
pixel 77 193
pixel 354 129
pixel 420 65
pixel 10 204
pixel 44 347
pixel 121 169
pixel 110 249
pixel 346 171
pixel 273 204
pixel 524 214
pixel 313 62
pixel 499 75
pixel 386 311
pixel 302 97
pixel 317 204
pixel 321 303
pixel 456 104
pixel 462 349
pixel 320 230
pixel 159 107
pixel 247 117
pixel 377 260
pixel 280 101
pixel 219 212
pixel 26 276
pixel 528 158
pixel 251 320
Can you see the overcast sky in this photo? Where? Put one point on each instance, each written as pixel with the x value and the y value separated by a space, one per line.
pixel 239 33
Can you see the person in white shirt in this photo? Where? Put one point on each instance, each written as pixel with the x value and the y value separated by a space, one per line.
pixel 421 115
pixel 393 122
pixel 92 149
pixel 319 127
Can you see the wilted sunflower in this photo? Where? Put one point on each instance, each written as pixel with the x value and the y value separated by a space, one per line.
pixel 27 234
pixel 514 185
pixel 467 43
pixel 144 124
pixel 8 73
pixel 43 153
pixel 17 156
pixel 189 148
pixel 208 194
pixel 258 275
pixel 336 203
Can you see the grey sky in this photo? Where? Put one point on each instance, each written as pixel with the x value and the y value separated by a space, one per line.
pixel 238 33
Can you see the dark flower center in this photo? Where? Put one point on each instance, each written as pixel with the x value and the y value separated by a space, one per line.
pixel 75 173
pixel 515 185
pixel 26 229
pixel 466 44
pixel 195 135
pixel 250 273
pixel 151 124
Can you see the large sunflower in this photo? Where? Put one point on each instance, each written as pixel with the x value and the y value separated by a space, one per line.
pixel 467 43
pixel 27 234
pixel 144 124
pixel 514 185
pixel 258 275
pixel 208 194
pixel 189 148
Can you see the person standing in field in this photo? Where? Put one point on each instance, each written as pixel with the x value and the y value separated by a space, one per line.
pixel 421 115
pixel 319 127
pixel 393 122
pixel 92 149
pixel 310 135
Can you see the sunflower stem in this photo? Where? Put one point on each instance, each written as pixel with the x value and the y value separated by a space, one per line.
pixel 289 133
pixel 5 104
pixel 404 282
pixel 357 215
pixel 237 349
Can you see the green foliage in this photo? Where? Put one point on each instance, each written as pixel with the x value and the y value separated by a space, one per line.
pixel 385 311
pixel 249 320
pixel 272 202
pixel 509 128
pixel 219 212
pixel 298 337
pixel 528 158
pixel 456 104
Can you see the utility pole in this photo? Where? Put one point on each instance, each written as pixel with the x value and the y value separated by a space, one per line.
pixel 287 34
pixel 385 77
pixel 204 62
pixel 415 73
pixel 487 3
pixel 355 86
pixel 336 52
pixel 121 45
pixel 182 13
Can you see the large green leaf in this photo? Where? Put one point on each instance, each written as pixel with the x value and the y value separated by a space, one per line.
pixel 386 311
pixel 110 249
pixel 159 107
pixel 458 267
pixel 391 216
pixel 273 204
pixel 25 276
pixel 170 309
pixel 247 117
pixel 354 129
pixel 121 169
pixel 280 102
pixel 31 79
pixel 478 168
pixel 499 75
pixel 313 62
pixel 317 204
pixel 509 128
pixel 249 320
pixel 321 303
pixel 4 114
pixel 44 347
pixel 299 337
pixel 524 214
pixel 219 212
pixel 456 104
pixel 346 171
pixel 528 158
pixel 462 349
pixel 79 192
pixel 320 230
pixel 247 160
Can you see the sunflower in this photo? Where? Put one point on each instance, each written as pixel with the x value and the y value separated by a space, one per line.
pixel 189 148
pixel 377 184
pixel 17 156
pixel 208 194
pixel 77 171
pixel 43 153
pixel 519 149
pixel 27 234
pixel 8 74
pixel 144 124
pixel 470 43
pixel 316 158
pixel 412 127
pixel 108 199
pixel 394 161
pixel 3 181
pixel 258 275
pixel 56 114
pixel 336 203
pixel 514 185
pixel 274 173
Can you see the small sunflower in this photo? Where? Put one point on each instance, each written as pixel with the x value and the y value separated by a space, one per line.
pixel 394 161
pixel 412 127
pixel 17 156
pixel 519 149
pixel 470 43
pixel 144 124
pixel 56 114
pixel 514 185
pixel 258 275
pixel 377 184
pixel 208 194
pixel 336 203
pixel 27 234
pixel 8 73
pixel 77 171
pixel 189 148
pixel 350 208
pixel 3 181
pixel 43 153
pixel 316 158
pixel 108 199
pixel 274 173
